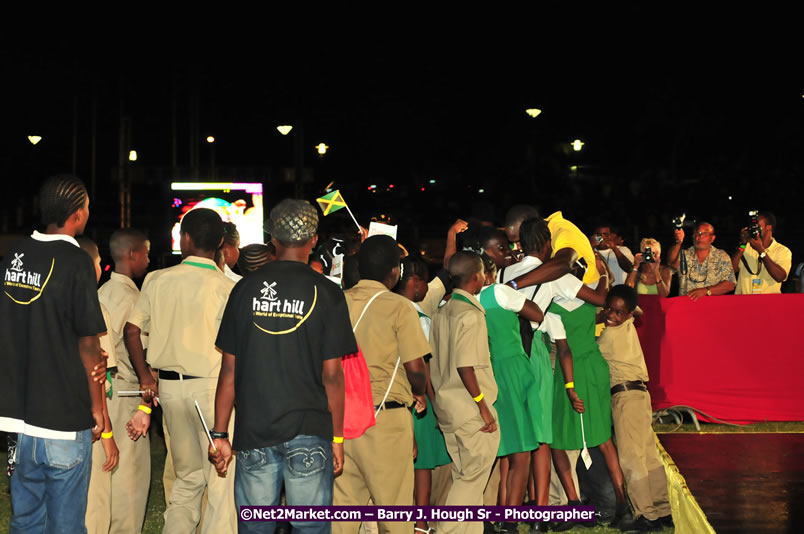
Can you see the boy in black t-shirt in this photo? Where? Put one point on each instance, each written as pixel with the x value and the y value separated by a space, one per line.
pixel 286 326
pixel 48 348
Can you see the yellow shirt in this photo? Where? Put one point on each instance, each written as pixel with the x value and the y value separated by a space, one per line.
pixel 181 308
pixel 389 329
pixel 459 338
pixel 779 254
pixel 564 234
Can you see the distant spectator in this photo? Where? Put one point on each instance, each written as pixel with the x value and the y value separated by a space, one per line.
pixel 619 259
pixel 703 269
pixel 650 277
pixel 765 264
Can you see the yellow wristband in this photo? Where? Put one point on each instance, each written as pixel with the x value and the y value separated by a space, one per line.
pixel 107 435
pixel 478 398
pixel 337 439
pixel 144 408
pixel 569 385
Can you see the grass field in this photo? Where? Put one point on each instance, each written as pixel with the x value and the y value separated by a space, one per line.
pixel 156 502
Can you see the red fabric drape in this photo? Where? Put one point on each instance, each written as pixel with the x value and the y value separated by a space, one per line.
pixel 735 357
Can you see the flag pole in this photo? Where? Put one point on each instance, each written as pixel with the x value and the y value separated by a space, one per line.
pixel 359 229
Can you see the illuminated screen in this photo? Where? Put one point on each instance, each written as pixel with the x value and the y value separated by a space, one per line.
pixel 240 203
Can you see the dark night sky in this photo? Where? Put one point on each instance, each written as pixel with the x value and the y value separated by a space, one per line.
pixel 661 135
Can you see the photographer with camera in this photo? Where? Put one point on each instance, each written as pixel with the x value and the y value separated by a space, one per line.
pixel 703 269
pixel 649 276
pixel 765 264
pixel 618 258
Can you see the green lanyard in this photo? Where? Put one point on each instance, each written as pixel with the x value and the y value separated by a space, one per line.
pixel 202 265
pixel 461 297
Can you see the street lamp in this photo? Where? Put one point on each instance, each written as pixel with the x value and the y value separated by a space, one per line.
pixel 34 139
pixel 321 148
pixel 577 144
pixel 132 155
pixel 284 129
pixel 533 112
pixel 210 139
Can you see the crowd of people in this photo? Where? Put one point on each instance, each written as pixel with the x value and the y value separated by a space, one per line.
pixel 496 380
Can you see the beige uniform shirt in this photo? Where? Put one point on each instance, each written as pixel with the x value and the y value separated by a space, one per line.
pixel 620 347
pixel 459 338
pixel 119 295
pixel 389 330
pixel 779 254
pixel 106 342
pixel 181 308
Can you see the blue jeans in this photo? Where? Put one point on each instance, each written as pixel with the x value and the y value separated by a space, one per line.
pixel 303 463
pixel 49 487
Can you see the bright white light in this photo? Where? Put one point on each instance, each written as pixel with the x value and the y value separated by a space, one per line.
pixel 210 139
pixel 533 112
pixel 34 139
pixel 322 148
pixel 132 155
pixel 284 129
pixel 577 144
pixel 729 197
pixel 481 190
pixel 432 181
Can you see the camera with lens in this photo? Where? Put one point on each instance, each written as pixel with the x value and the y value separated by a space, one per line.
pixel 753 226
pixel 647 255
pixel 598 238
pixel 678 222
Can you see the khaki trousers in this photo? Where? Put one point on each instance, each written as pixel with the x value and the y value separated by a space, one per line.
pixel 131 479
pixel 378 466
pixel 189 450
pixel 473 453
pixel 99 500
pixel 642 467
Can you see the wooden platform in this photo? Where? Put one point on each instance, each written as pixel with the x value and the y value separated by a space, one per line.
pixel 744 482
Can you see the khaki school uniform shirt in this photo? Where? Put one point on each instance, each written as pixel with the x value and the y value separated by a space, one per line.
pixel 119 295
pixel 389 330
pixel 459 338
pixel 620 346
pixel 181 308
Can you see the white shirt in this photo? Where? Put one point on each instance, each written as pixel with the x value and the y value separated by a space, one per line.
pixel 565 288
pixel 610 257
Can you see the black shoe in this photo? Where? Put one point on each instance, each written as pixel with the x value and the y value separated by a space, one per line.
pixel 666 521
pixel 490 528
pixel 508 528
pixel 640 524
pixel 622 515
pixel 283 527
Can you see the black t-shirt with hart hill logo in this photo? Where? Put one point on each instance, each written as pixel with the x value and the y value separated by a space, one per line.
pixel 49 301
pixel 281 322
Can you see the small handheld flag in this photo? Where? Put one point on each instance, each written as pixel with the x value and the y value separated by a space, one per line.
pixel 332 202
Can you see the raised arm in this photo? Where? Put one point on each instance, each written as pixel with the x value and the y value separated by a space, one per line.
pixel 674 256
pixel 452 238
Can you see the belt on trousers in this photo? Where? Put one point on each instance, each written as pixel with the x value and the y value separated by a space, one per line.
pixel 628 386
pixel 112 371
pixel 173 375
pixel 389 404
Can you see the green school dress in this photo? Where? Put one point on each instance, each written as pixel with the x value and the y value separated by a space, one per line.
pixel 591 377
pixel 519 404
pixel 432 450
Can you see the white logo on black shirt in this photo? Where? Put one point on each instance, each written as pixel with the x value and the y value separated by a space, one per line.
pixel 268 292
pixel 16 263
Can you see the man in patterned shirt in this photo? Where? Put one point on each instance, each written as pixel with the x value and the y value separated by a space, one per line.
pixel 703 269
